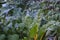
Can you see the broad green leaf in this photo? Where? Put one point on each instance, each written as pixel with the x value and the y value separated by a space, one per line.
pixel 25 38
pixel 33 30
pixel 42 31
pixel 13 37
pixel 2 36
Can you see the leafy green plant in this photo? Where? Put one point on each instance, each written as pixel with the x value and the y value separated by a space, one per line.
pixel 29 20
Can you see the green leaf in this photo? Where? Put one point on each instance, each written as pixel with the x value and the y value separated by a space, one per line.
pixel 42 31
pixel 2 37
pixel 33 30
pixel 13 37
pixel 0 5
pixel 25 38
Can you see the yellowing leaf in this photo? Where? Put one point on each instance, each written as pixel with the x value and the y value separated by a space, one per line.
pixel 33 30
pixel 35 37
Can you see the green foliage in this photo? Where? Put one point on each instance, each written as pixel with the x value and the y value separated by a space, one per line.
pixel 2 36
pixel 33 30
pixel 13 37
pixel 25 38
pixel 23 19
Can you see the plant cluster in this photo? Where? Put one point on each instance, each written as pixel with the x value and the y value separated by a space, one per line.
pixel 29 20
